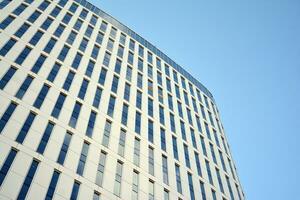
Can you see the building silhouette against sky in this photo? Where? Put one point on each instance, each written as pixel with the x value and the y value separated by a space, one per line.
pixel 91 110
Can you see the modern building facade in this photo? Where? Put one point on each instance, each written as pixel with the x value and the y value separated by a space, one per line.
pixel 91 110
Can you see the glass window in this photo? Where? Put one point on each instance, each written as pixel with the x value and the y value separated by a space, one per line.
pixel 175 149
pixel 7 164
pixel 20 9
pixel 48 48
pixel 100 170
pixel 120 51
pixel 138 122
pixel 91 124
pixel 150 57
pixel 141 51
pixel 203 146
pixel 124 114
pixel 170 102
pixel 55 11
pixel 140 65
pixel 139 99
pixel 118 179
pixel 150 107
pixel 99 38
pixel 44 5
pixel 82 158
pixel 202 189
pixel 38 64
pixel 59 30
pixel 219 180
pixel 128 73
pixel 118 66
pixel 89 31
pixel 113 32
pixel 151 160
pixel 102 76
pixel 78 24
pixel 103 26
pixel 47 23
pixel 24 87
pixel 83 44
pixel 63 53
pixel 136 154
pixel 6 115
pixel 45 137
pixel 135 185
pixel 106 59
pixel 150 131
pixel 90 68
pixel 115 83
pixel 186 156
pixel 161 115
pixel 73 7
pixel 75 190
pixel 140 81
pixel 58 105
pixel 9 44
pixel 122 38
pixel 182 127
pixel 36 37
pixel 165 170
pixel 75 114
pixel 209 172
pixel 151 190
pixel 41 96
pixel 83 13
pixel 150 88
pixel 28 179
pixel 7 77
pixel 198 164
pixel 191 187
pixel 97 97
pixel 23 55
pixel 160 95
pixel 163 139
pixel 69 80
pixel 64 148
pixel 110 44
pixel 130 58
pixel 7 21
pixel 122 140
pixel 83 88
pixel 172 123
pixel 94 20
pixel 158 63
pixel 106 134
pixel 20 32
pixel 111 106
pixel 178 179
pixel 167 70
pixel 127 92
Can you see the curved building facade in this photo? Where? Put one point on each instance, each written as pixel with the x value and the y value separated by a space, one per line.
pixel 91 110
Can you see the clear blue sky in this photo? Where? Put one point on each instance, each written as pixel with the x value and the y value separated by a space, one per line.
pixel 247 53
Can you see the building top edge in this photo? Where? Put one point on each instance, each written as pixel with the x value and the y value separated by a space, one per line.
pixel 145 43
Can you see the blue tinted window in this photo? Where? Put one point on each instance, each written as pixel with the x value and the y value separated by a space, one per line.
pixel 140 81
pixel 140 64
pixel 95 52
pixel 207 131
pixel 52 74
pixel 59 30
pixel 44 5
pixel 33 17
pixel 90 68
pixel 220 180
pixel 150 57
pixel 118 66
pixel 93 20
pixel 175 149
pixel 209 172
pixel 127 92
pixel 111 106
pixel 69 80
pixel 20 32
pixel 7 164
pixel 82 159
pixel 52 185
pixel 58 105
pixel 186 156
pixel 7 76
pixel 83 44
pixel 99 38
pixel 193 138
pixel 75 191
pixel 38 64
pixel 165 170
pixel 19 9
pixel 106 59
pixel 169 88
pixel 123 38
pixel 28 179
pixel 46 23
pixel 71 38
pixel 213 153
pixel 55 11
pixel 159 78
pixel 45 138
pixel 25 85
pixel 177 92
pixel 89 31
pixel 191 187
pixel 150 107
pixel 120 51
pixel 36 38
pixel 7 21
pixel 170 102
pixel 161 115
pixel 178 179
pixel 73 7
pixel 78 24
pixel 25 128
pixel 102 76
pixel 75 115
pixel 50 45
pixel 188 111
pixel 9 44
pixel 182 128
pixel 4 3
pixel 76 61
pixel 203 146
pixel 163 139
pixel 202 189
pixel 63 53
pixel 198 164
pixel 139 99
pixel 6 115
pixel 97 97
pixel 62 3
pixel 103 26
pixel 131 45
pixel 138 122
pixel 150 87
pixel 41 96
pixel 150 131
pixel 114 86
pixel 83 13
pixel 64 148
pixel 124 114
pixel 106 134
pixel 91 124
pixel 130 58
pixel 172 123
pixel 23 55
pixel 67 18
pixel 128 73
